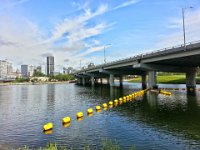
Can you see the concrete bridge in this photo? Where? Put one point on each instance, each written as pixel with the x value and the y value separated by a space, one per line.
pixel 174 59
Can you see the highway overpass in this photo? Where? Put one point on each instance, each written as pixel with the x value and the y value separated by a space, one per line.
pixel 173 59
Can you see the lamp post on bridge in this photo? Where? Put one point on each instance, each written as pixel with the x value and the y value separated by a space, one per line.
pixel 183 15
pixel 105 46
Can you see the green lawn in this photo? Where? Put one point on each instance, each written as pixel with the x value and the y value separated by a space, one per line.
pixel 173 79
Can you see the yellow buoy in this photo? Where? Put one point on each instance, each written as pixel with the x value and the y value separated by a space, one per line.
pixel 98 107
pixel 79 114
pixel 110 103
pixel 90 111
pixel 127 98
pixel 48 126
pixel 115 101
pixel 66 120
pixel 104 105
pixel 124 100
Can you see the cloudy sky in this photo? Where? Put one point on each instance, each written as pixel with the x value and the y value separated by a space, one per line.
pixel 74 30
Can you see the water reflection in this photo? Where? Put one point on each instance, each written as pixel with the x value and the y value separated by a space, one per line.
pixel 24 94
pixel 51 96
pixel 152 99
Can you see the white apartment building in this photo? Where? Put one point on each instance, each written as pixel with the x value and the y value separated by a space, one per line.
pixel 6 68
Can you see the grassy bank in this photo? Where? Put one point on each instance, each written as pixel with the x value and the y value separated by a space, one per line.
pixel 175 79
pixel 105 145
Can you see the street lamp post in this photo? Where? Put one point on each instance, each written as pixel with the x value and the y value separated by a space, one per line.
pixel 104 55
pixel 183 15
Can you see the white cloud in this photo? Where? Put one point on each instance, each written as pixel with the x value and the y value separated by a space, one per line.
pixel 20 41
pixel 71 25
pixel 94 49
pixel 125 4
pixel 84 33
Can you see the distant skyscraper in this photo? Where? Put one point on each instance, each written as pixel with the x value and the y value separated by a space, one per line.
pixel 24 70
pixel 5 68
pixel 50 65
pixel 31 69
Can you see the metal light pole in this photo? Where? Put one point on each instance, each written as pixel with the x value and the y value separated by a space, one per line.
pixel 104 55
pixel 183 15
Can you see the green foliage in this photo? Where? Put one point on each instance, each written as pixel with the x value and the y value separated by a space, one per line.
pixel 38 74
pixel 169 74
pixel 22 80
pixel 62 77
pixel 105 145
pixel 168 79
pixel 109 145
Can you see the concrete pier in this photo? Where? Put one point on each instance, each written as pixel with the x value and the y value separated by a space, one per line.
pixel 83 81
pixel 152 83
pixel 121 81
pixel 190 79
pixel 111 80
pixel 144 82
pixel 92 81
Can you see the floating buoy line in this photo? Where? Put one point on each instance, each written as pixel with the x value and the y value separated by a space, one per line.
pixel 48 128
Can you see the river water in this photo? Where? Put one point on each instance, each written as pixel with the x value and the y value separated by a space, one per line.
pixel 153 121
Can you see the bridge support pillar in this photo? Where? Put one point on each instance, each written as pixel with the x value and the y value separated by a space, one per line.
pixel 111 80
pixel 92 80
pixel 144 82
pixel 108 80
pixel 121 81
pixel 79 80
pixel 83 81
pixel 152 83
pixel 190 79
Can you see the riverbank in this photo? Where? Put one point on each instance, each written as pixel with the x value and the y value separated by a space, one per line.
pixel 105 145
pixel 175 79
pixel 31 83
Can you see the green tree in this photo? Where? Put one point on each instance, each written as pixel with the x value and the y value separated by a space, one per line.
pixel 38 74
pixel 62 77
pixel 22 80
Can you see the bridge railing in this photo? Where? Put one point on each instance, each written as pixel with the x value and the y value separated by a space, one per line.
pixel 144 55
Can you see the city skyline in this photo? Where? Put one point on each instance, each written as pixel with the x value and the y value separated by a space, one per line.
pixel 80 30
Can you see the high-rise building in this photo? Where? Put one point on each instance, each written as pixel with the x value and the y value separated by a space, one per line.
pixel 31 69
pixel 43 69
pixel 50 65
pixel 24 70
pixel 6 68
pixel 68 70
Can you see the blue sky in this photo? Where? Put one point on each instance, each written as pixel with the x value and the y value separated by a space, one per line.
pixel 74 30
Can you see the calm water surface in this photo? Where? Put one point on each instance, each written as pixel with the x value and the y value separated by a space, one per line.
pixel 151 122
